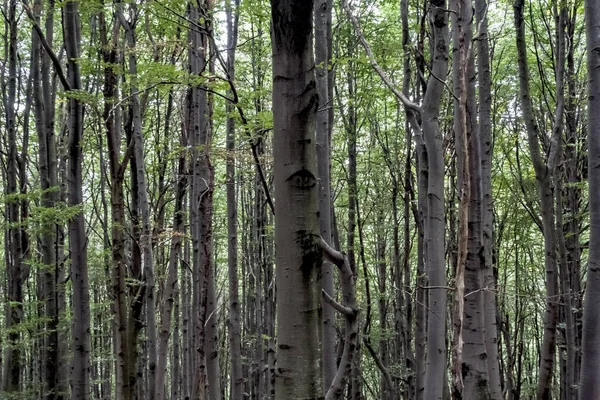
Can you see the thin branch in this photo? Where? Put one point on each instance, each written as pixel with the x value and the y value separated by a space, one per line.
pixel 55 61
pixel 408 104
pixel 333 303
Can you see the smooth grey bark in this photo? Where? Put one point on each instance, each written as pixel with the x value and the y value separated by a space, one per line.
pixel 461 67
pixel 235 333
pixel 485 137
pixel 470 368
pixel 323 11
pixel 349 309
pixel 545 172
pixel 435 222
pixel 589 385
pixel 298 253
pixel 80 368
pixel 573 159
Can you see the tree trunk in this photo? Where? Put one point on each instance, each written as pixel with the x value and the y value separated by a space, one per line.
pixel 235 333
pixel 472 369
pixel 80 370
pixel 13 357
pixel 171 284
pixel 323 10
pixel 298 254
pixel 590 348
pixel 435 218
pixel 485 137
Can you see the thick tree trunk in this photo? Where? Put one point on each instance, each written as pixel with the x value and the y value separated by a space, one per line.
pixel 590 351
pixel 80 369
pixel 298 254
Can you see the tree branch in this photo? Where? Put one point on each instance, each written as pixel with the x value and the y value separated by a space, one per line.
pixel 55 61
pixel 409 105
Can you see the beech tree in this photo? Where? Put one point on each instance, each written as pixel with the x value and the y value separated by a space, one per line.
pixel 590 387
pixel 298 254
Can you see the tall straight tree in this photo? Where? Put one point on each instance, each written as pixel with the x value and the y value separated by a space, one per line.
pixel 322 59
pixel 143 206
pixel 235 333
pixel 124 354
pixel 80 368
pixel 470 367
pixel 590 351
pixel 485 137
pixel 298 253
pixel 13 362
pixel 202 186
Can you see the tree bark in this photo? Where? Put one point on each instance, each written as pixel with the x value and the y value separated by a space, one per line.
pixel 235 333
pixel 323 10
pixel 435 218
pixel 298 254
pixel 80 369
pixel 590 351
pixel 485 137
pixel 13 362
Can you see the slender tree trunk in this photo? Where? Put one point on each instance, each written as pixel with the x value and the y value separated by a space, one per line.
pixel 435 218
pixel 472 371
pixel 124 360
pixel 323 9
pixel 80 369
pixel 298 254
pixel 235 333
pixel 145 231
pixel 12 356
pixel 485 137
pixel 590 348
pixel 171 284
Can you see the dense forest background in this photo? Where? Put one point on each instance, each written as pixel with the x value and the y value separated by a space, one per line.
pixel 243 199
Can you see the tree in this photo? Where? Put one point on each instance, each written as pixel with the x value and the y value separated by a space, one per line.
pixel 12 358
pixel 298 254
pixel 589 385
pixel 80 369
pixel 323 11
pixel 235 333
